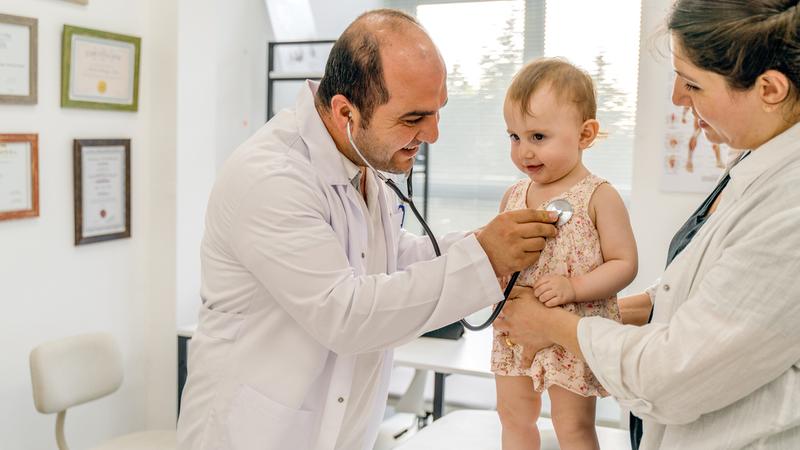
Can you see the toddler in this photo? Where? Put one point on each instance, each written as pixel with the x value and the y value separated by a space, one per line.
pixel 550 111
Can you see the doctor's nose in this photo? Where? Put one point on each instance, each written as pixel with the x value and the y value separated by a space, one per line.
pixel 429 129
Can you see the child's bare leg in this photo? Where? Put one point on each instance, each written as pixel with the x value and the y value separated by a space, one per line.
pixel 573 419
pixel 518 406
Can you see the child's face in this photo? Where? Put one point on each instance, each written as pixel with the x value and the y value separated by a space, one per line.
pixel 546 145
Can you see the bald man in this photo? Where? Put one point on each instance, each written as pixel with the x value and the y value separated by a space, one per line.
pixel 308 279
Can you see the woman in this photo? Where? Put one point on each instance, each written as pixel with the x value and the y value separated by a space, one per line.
pixel 719 366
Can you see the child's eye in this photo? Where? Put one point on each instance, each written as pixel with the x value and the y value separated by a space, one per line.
pixel 537 136
pixel 690 87
pixel 513 137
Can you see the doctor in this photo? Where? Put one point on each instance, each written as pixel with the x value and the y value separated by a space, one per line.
pixel 308 280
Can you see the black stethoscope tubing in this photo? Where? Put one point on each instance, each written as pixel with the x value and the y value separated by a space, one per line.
pixel 407 199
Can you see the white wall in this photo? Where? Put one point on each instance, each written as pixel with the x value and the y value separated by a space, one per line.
pixel 655 215
pixel 221 102
pixel 50 288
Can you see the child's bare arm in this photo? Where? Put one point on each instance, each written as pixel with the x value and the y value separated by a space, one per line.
pixel 619 255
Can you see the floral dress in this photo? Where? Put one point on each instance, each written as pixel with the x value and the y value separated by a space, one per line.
pixel 575 251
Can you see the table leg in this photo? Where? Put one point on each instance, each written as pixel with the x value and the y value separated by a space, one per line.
pixel 438 394
pixel 182 367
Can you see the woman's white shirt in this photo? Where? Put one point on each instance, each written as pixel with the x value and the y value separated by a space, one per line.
pixel 719 366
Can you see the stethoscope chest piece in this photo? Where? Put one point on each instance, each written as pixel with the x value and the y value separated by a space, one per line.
pixel 563 208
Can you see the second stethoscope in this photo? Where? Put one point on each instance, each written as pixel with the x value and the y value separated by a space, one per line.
pixel 561 206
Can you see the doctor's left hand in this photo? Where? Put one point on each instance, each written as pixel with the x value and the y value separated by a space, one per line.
pixel 522 321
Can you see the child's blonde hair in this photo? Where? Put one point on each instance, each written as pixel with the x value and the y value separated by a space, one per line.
pixel 567 81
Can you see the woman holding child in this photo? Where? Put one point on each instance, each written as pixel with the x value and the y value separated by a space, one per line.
pixel 718 364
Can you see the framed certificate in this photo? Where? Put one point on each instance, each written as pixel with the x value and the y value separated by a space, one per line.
pixel 99 70
pixel 18 50
pixel 102 183
pixel 19 176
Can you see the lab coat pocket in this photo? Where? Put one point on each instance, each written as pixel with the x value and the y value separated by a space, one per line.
pixel 256 422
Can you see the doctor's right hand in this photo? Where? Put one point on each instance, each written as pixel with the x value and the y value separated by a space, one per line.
pixel 514 239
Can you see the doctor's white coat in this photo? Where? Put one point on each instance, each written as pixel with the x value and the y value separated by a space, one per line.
pixel 287 306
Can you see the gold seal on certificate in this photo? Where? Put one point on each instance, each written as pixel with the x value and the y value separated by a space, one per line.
pixel 102 190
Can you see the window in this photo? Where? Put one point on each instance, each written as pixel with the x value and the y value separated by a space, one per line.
pixel 484 43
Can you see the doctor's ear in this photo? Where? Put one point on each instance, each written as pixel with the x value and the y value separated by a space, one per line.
pixel 342 111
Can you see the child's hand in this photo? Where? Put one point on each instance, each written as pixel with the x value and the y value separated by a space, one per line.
pixel 554 290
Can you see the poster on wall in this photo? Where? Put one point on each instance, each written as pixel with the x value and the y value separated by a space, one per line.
pixel 19 176
pixel 99 70
pixel 691 163
pixel 102 185
pixel 18 58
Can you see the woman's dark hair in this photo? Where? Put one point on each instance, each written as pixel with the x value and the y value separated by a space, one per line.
pixel 740 39
pixel 354 66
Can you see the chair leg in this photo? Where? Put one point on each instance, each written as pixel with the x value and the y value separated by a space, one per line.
pixel 60 440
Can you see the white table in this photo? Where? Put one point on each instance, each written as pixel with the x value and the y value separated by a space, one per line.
pixel 469 355
pixel 480 430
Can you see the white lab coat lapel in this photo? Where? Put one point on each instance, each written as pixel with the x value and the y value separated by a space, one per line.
pixel 351 229
pixel 390 229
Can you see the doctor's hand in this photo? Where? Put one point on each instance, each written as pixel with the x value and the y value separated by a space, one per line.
pixel 514 239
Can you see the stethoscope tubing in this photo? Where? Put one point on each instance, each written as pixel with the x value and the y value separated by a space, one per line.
pixel 410 202
pixel 407 199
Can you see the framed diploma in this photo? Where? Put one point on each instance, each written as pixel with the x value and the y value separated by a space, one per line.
pixel 99 70
pixel 19 176
pixel 102 183
pixel 18 50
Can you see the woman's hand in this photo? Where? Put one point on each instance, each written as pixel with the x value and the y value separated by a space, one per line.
pixel 529 323
pixel 554 290
pixel 518 321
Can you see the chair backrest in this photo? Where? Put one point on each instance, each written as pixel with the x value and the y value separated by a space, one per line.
pixel 74 370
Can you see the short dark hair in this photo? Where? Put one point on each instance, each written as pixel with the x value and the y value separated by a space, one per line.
pixel 354 66
pixel 740 39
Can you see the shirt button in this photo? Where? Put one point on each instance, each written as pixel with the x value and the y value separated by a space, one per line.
pixel 666 288
pixel 341 399
pixel 363 255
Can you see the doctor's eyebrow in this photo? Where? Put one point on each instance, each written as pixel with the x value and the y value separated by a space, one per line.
pixel 424 112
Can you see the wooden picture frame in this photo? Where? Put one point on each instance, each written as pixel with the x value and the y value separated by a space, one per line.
pixel 102 189
pixel 19 176
pixel 99 70
pixel 18 67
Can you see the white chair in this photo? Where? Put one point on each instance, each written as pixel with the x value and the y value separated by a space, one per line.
pixel 75 370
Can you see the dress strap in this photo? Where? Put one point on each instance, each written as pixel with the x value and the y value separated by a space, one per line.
pixel 518 195
pixel 581 194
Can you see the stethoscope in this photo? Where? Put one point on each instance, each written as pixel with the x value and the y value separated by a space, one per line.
pixel 561 206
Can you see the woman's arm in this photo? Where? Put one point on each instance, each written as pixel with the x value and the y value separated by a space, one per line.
pixel 635 309
pixel 620 262
pixel 736 333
